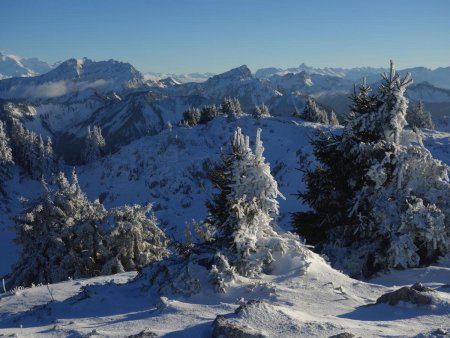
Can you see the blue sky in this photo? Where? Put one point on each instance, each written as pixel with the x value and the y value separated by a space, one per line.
pixel 214 36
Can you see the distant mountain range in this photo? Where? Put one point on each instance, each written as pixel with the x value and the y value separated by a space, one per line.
pixel 439 77
pixel 16 66
pixel 127 105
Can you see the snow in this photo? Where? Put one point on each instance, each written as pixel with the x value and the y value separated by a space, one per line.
pixel 320 303
pixel 166 169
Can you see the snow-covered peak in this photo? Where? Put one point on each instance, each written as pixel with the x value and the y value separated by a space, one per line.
pixel 75 76
pixel 239 73
pixel 87 69
pixel 16 66
pixel 168 82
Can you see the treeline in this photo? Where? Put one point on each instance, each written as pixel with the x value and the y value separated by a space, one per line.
pixel 230 107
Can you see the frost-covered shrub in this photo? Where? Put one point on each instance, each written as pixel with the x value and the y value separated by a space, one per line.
pixel 59 235
pixel 62 235
pixel 377 203
pixel 222 273
pixel 243 238
pixel 134 240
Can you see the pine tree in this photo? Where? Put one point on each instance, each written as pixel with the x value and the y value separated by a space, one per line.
pixel 253 201
pixel 418 117
pixel 60 236
pixel 245 210
pixel 363 101
pixel 313 113
pixel 208 113
pixel 94 145
pixel 260 111
pixel 191 117
pixel 5 149
pixel 83 231
pixel 333 119
pixel 30 151
pixel 231 107
pixel 377 203
pixel 244 240
pixel 6 159
pixel 41 245
pixel 135 239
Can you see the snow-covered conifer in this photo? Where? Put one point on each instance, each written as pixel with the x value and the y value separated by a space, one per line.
pixel 30 151
pixel 6 159
pixel 231 107
pixel 60 236
pixel 418 117
pixel 245 238
pixel 208 113
pixel 94 144
pixel 191 117
pixel 5 149
pixel 332 118
pixel 260 111
pixel 255 238
pixel 135 240
pixel 363 101
pixel 378 203
pixel 313 113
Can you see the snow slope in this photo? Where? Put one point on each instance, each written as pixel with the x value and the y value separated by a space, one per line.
pixel 320 303
pixel 168 169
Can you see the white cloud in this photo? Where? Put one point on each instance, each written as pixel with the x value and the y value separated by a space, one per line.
pixel 60 88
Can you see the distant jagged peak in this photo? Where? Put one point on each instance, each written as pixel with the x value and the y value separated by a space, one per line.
pixel 87 69
pixel 239 73
pixel 168 82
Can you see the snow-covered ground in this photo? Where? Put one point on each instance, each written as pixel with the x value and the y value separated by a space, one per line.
pixel 320 303
pixel 168 170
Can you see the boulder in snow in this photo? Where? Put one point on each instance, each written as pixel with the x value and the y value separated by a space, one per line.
pixel 416 294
